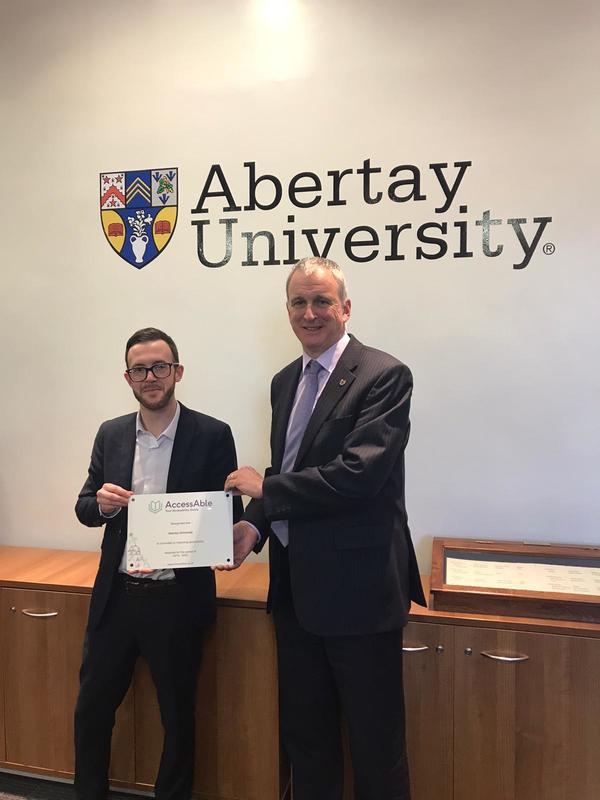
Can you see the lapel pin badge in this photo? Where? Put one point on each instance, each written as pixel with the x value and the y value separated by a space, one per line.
pixel 343 382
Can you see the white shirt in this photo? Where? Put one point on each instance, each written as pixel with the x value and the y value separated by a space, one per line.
pixel 151 461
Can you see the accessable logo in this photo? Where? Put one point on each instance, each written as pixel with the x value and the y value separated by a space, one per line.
pixel 181 505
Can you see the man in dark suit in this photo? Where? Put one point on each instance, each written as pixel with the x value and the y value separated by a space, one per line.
pixel 343 569
pixel 158 614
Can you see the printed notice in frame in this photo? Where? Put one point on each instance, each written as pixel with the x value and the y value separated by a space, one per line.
pixel 175 530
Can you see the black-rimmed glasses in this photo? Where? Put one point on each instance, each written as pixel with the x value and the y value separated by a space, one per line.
pixel 162 370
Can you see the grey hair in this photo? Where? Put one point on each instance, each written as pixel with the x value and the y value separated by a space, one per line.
pixel 310 265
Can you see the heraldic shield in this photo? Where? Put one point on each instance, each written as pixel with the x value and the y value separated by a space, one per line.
pixel 139 212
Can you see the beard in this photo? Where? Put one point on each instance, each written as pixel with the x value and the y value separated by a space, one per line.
pixel 162 401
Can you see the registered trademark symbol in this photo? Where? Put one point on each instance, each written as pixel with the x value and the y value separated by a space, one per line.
pixel 549 248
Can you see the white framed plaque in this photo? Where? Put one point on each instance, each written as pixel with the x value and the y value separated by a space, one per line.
pixel 175 530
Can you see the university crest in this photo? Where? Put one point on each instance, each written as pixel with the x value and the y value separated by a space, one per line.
pixel 139 212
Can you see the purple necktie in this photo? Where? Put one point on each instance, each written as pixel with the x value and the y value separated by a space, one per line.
pixel 298 422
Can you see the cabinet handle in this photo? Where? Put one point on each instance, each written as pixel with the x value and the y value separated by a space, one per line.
pixel 40 614
pixel 414 648
pixel 507 659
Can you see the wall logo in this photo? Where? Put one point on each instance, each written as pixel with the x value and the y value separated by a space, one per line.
pixel 155 506
pixel 139 212
pixel 395 234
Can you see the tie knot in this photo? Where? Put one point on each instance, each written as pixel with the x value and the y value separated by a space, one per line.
pixel 313 368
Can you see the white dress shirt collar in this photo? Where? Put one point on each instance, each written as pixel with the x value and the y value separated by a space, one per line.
pixel 169 432
pixel 328 360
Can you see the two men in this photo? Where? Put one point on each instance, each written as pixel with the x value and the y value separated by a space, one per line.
pixel 342 564
pixel 158 614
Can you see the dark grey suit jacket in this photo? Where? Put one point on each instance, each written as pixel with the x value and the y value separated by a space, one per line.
pixel 352 564
pixel 203 455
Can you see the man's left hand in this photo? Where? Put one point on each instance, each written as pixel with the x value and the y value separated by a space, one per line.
pixel 245 480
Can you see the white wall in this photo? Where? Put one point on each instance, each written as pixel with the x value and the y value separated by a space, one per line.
pixel 505 416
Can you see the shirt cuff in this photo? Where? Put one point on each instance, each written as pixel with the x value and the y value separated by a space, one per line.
pixel 255 529
pixel 109 516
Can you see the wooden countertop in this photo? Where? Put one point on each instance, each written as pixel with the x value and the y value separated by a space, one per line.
pixel 74 571
pixel 44 568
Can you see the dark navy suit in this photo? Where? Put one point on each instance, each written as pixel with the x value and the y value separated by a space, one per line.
pixel 341 591
pixel 165 627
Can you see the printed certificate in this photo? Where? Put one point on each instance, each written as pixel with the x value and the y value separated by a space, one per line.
pixel 531 576
pixel 192 529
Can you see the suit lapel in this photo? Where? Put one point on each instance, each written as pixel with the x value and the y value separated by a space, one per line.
pixel 184 439
pixel 282 410
pixel 124 451
pixel 339 382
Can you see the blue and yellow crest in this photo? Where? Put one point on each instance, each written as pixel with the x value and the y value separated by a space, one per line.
pixel 139 212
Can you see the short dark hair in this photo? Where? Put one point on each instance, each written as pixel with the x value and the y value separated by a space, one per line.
pixel 151 335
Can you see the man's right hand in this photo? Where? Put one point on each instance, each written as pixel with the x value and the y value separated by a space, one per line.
pixel 111 498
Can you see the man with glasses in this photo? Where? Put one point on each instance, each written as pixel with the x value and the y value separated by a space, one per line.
pixel 158 614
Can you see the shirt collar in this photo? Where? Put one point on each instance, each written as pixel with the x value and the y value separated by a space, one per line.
pixel 169 432
pixel 328 360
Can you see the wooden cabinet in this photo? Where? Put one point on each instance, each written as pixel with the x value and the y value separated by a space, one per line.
pixel 44 600
pixel 43 635
pixel 526 728
pixel 428 665
pixel 237 739
pixel 502 712
pixel 479 727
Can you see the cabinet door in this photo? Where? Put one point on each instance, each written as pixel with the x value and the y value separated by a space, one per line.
pixel 44 636
pixel 526 728
pixel 44 632
pixel 428 695
pixel 237 731
pixel 428 664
